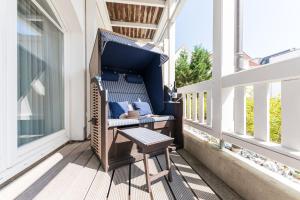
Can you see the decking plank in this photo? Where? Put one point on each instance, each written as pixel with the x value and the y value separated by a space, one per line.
pixel 32 191
pixel 100 185
pixel 195 182
pixel 160 188
pixel 19 185
pixel 219 187
pixel 138 182
pixel 180 188
pixel 74 172
pixel 66 177
pixel 120 184
pixel 78 190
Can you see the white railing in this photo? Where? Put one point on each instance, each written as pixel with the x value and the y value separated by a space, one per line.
pixel 233 102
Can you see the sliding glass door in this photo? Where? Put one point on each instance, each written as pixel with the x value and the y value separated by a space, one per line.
pixel 40 72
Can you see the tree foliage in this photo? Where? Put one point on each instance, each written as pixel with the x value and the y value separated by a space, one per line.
pixel 197 70
pixel 275 118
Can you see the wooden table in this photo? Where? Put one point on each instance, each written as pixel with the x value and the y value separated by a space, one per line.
pixel 148 142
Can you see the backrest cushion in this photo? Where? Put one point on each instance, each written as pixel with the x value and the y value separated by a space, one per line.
pixel 109 75
pixel 134 78
pixel 121 90
pixel 142 107
pixel 118 108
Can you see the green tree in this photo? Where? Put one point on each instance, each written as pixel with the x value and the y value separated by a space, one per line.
pixel 182 70
pixel 200 64
pixel 197 70
pixel 275 118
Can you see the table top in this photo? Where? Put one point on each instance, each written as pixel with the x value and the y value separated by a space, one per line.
pixel 146 138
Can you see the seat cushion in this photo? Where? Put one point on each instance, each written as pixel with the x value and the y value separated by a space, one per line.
pixel 143 120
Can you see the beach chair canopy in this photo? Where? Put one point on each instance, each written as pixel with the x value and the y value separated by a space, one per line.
pixel 127 56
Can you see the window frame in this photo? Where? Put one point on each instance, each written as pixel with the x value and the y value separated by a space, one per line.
pixel 14 159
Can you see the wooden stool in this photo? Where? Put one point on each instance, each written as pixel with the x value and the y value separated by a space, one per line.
pixel 149 142
pixel 168 171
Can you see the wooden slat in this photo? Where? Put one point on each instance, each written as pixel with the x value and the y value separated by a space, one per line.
pixel 239 110
pixel 99 188
pixel 51 174
pixel 133 25
pixel 261 111
pixel 156 3
pixel 137 21
pixel 192 179
pixel 120 184
pixel 80 187
pixel 134 13
pixel 220 188
pixel 290 101
pixel 180 188
pixel 160 188
pixel 14 189
pixel 66 177
pixel 138 182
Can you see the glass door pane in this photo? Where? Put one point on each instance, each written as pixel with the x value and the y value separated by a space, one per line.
pixel 40 74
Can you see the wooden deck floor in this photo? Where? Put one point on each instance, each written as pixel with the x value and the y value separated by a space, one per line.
pixel 74 172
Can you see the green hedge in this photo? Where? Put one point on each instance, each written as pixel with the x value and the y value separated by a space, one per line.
pixel 275 118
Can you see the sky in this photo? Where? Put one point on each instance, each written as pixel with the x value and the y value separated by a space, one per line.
pixel 270 26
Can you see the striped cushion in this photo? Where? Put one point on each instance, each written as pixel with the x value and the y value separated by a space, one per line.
pixel 126 122
pixel 121 90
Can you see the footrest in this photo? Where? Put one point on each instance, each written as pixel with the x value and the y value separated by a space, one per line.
pixel 159 175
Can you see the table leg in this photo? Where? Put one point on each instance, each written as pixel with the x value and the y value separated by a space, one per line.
pixel 168 163
pixel 148 182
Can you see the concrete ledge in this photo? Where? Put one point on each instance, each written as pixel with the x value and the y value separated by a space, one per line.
pixel 249 182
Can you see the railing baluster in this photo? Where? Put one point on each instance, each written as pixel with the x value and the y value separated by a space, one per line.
pixel 290 105
pixel 239 110
pixel 188 103
pixel 184 105
pixel 194 106
pixel 261 111
pixel 201 108
pixel 208 107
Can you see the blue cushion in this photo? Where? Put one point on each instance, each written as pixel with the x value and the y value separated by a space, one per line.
pixel 109 75
pixel 118 108
pixel 142 107
pixel 134 78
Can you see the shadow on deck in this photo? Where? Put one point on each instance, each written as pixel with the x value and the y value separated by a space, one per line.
pixel 74 172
